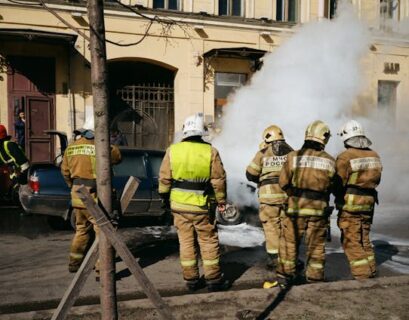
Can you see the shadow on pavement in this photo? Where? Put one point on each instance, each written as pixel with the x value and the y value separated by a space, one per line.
pixel 151 254
pixel 384 251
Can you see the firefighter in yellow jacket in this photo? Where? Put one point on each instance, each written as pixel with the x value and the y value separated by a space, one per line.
pixel 79 168
pixel 307 177
pixel 14 157
pixel 360 169
pixel 191 172
pixel 265 170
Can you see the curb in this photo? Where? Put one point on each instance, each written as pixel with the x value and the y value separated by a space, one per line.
pixel 258 296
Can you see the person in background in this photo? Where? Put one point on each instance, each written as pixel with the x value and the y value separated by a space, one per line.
pixel 360 170
pixel 118 138
pixel 265 170
pixel 20 129
pixel 191 172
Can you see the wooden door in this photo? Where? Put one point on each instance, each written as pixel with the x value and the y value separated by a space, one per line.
pixel 39 118
pixel 31 88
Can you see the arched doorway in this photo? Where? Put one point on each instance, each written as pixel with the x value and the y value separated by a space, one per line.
pixel 142 103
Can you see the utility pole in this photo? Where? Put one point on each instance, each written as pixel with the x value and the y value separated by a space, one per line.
pixel 99 79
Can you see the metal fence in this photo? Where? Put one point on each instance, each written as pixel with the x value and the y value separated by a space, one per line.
pixel 155 104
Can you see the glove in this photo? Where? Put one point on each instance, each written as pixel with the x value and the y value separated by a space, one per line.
pixel 165 201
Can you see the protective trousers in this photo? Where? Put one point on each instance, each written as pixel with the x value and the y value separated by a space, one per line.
pixel 355 230
pixel 197 226
pixel 84 235
pixel 270 217
pixel 293 229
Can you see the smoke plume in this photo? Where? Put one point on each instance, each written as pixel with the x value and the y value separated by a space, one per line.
pixel 315 74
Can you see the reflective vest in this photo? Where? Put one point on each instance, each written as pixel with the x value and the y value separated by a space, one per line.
pixel 190 164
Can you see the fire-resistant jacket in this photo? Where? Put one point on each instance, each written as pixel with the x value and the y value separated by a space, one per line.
pixel 360 172
pixel 265 170
pixel 307 177
pixel 12 155
pixel 79 167
pixel 192 172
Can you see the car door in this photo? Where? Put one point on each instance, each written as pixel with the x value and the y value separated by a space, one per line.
pixel 133 164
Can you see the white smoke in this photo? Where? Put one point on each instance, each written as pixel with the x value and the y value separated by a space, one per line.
pixel 316 74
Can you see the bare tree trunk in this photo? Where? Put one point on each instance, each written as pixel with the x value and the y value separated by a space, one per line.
pixel 99 80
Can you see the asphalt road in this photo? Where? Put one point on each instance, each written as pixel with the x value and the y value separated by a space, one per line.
pixel 34 258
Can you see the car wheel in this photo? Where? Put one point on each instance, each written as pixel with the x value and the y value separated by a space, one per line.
pixel 230 216
pixel 73 219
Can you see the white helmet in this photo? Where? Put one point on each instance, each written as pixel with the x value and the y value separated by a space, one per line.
pixel 87 129
pixel 351 129
pixel 194 126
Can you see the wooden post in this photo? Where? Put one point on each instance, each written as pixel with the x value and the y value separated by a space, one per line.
pixel 99 79
pixel 123 251
pixel 128 192
pixel 71 294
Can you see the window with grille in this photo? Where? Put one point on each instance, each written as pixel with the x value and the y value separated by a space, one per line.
pixel 287 10
pixel 230 7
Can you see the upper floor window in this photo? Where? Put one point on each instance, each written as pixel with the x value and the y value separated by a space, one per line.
pixel 166 4
pixel 330 8
pixel 389 9
pixel 287 10
pixel 230 7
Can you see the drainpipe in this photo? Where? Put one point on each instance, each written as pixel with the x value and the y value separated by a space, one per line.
pixel 71 98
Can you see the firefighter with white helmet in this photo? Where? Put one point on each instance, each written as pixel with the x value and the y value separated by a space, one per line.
pixel 360 169
pixel 264 170
pixel 190 174
pixel 79 168
pixel 307 177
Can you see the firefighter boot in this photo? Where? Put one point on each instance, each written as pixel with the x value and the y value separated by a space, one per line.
pixel 192 285
pixel 219 284
pixel 272 262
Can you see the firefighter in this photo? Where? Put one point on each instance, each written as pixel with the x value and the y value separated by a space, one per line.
pixel 265 170
pixel 13 156
pixel 307 177
pixel 360 169
pixel 190 174
pixel 79 168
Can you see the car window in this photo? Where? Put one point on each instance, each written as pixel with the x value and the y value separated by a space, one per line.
pixel 131 165
pixel 156 161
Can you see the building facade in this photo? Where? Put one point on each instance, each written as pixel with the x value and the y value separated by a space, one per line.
pixel 191 54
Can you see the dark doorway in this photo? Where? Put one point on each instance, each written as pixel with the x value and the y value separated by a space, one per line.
pixel 142 103
pixel 31 89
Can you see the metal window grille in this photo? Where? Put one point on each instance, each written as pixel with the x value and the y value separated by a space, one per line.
pixel 155 104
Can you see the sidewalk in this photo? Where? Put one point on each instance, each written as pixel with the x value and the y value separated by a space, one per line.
pixel 382 298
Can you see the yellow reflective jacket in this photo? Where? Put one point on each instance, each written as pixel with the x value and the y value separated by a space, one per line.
pixel 191 172
pixel 360 172
pixel 79 164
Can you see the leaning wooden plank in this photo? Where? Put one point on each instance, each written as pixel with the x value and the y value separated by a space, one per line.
pixel 129 191
pixel 124 253
pixel 71 294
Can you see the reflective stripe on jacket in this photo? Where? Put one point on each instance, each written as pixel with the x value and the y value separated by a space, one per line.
pixel 12 154
pixel 360 171
pixel 79 162
pixel 266 166
pixel 309 174
pixel 190 164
